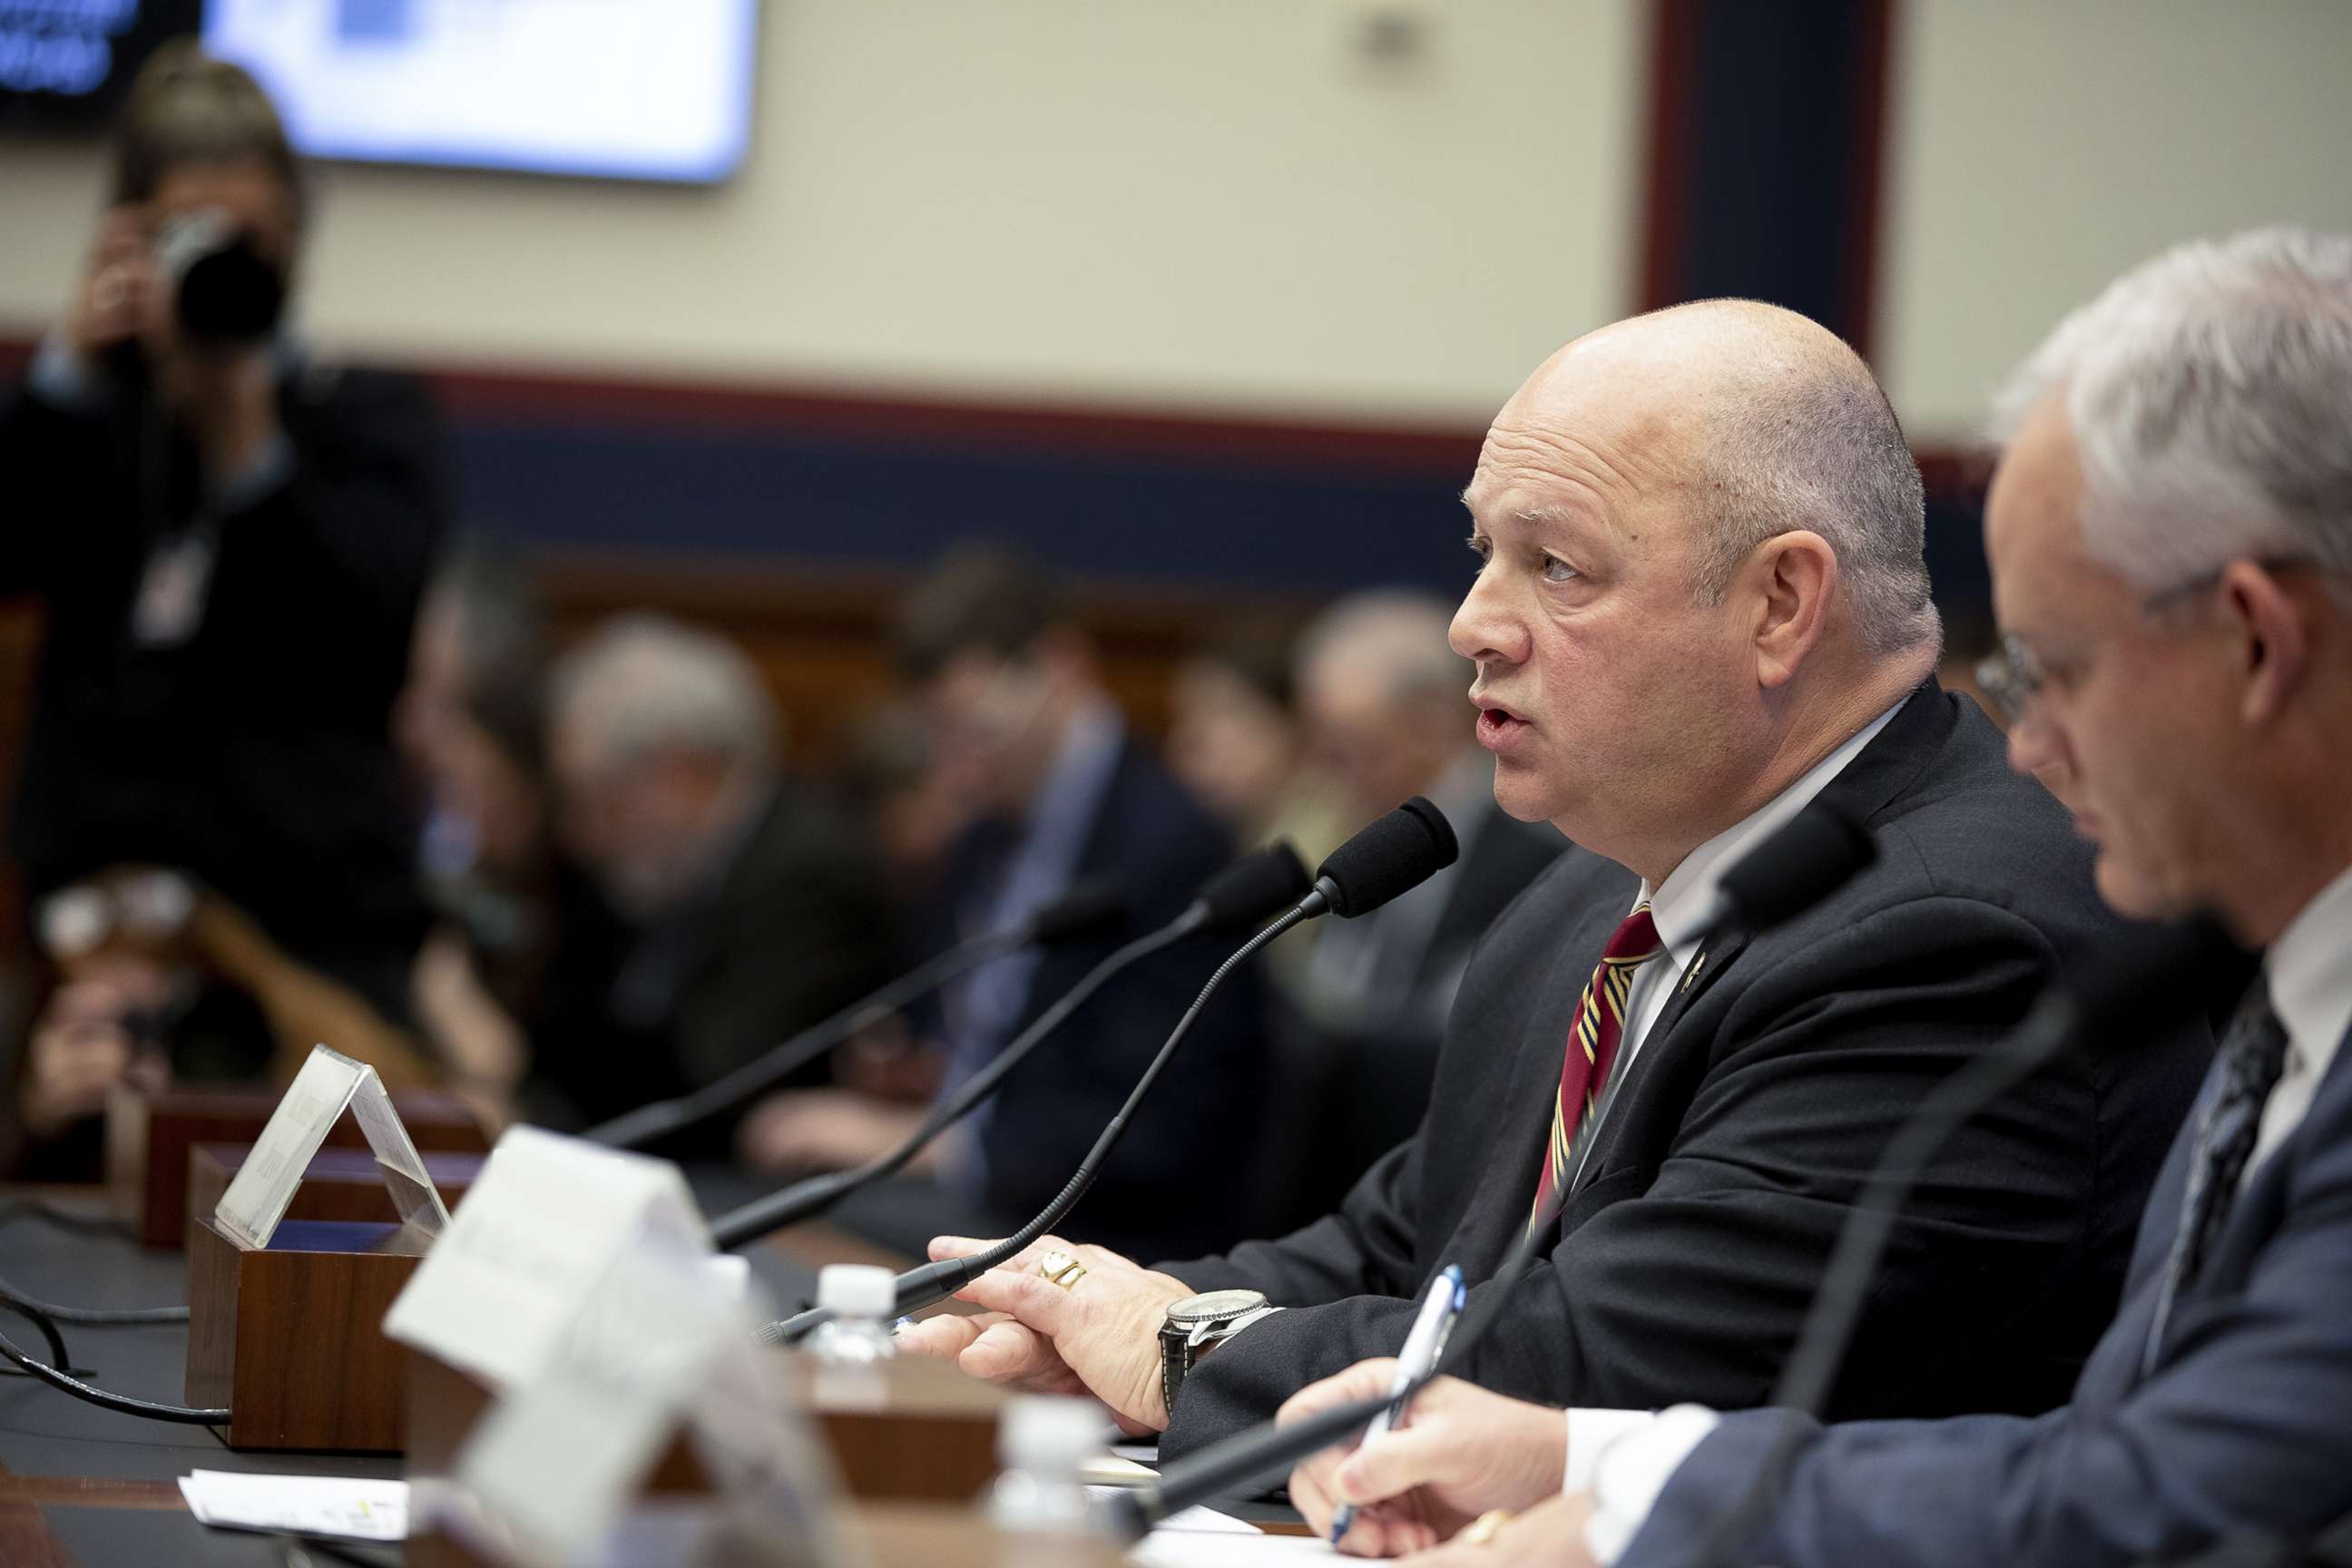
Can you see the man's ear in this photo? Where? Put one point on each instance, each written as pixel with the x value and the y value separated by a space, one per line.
pixel 1791 578
pixel 2272 643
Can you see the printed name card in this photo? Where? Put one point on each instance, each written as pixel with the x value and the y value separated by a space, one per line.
pixel 328 1084
pixel 543 1224
pixel 642 1343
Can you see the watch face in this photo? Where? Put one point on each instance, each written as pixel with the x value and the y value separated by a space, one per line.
pixel 1216 1304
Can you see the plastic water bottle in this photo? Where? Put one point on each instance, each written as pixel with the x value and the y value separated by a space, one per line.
pixel 861 1299
pixel 1041 1441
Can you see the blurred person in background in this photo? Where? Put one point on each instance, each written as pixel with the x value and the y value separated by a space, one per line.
pixel 1382 693
pixel 1065 796
pixel 752 908
pixel 523 946
pixel 229 536
pixel 1236 740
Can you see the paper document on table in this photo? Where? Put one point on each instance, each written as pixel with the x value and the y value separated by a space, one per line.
pixel 348 1510
pixel 1110 1470
pixel 1198 1538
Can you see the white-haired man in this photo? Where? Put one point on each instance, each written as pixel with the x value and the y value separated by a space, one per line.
pixel 1700 605
pixel 2170 533
pixel 755 914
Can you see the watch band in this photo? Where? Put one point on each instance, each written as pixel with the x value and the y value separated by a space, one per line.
pixel 1196 1323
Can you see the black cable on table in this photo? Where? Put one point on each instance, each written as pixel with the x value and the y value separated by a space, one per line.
pixel 121 1404
pixel 58 1355
pixel 12 1209
pixel 94 1316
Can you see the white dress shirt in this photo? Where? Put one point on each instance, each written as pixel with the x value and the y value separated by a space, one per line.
pixel 1630 1455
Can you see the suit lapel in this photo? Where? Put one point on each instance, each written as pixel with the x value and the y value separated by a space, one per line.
pixel 2262 1204
pixel 1893 761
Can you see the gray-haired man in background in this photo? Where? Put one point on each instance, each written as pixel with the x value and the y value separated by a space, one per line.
pixel 754 912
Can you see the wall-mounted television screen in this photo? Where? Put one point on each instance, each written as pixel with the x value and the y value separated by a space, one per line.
pixel 650 89
pixel 65 64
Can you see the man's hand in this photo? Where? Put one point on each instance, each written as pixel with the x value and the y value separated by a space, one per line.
pixel 1549 1535
pixel 826 1129
pixel 119 294
pixel 1101 1334
pixel 80 1051
pixel 1461 1452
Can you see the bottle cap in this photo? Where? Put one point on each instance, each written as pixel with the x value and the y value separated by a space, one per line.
pixel 857 1291
pixel 1050 1433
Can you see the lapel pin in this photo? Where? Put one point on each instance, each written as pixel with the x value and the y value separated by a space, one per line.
pixel 1690 975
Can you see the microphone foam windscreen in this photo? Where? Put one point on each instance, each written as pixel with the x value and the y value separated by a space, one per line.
pixel 1402 850
pixel 1090 909
pixel 1810 856
pixel 1256 887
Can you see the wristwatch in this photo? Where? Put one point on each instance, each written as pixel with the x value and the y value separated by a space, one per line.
pixel 1197 1322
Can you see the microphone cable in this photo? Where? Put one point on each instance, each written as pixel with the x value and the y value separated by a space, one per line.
pixel 122 1403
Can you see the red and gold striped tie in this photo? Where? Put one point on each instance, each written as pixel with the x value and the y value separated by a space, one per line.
pixel 1592 1045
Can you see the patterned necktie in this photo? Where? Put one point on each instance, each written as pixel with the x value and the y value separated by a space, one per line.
pixel 2251 1058
pixel 1592 1046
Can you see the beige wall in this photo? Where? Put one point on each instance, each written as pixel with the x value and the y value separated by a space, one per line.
pixel 1216 203
pixel 2042 146
pixel 1219 205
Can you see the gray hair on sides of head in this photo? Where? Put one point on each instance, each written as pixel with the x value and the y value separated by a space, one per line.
pixel 2211 395
pixel 1804 438
pixel 644 685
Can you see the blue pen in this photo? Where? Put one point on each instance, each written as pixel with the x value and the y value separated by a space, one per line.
pixel 1422 1346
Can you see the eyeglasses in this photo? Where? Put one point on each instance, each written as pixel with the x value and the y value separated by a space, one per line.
pixel 2013 677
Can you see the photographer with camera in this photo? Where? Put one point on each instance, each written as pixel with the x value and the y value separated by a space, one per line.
pixel 229 537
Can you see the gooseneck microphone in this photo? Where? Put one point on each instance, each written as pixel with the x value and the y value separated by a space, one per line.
pixel 1401 850
pixel 1086 911
pixel 1249 891
pixel 1816 852
pixel 2145 979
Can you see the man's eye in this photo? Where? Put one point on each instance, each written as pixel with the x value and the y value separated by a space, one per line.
pixel 1555 570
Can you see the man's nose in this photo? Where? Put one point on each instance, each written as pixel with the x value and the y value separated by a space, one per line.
pixel 1484 630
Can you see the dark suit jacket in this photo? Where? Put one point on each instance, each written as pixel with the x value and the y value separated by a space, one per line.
pixel 2243 1424
pixel 1747 1124
pixel 797 929
pixel 256 755
pixel 1360 1093
pixel 1176 1177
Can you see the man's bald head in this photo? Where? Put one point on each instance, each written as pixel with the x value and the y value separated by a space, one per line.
pixel 1762 421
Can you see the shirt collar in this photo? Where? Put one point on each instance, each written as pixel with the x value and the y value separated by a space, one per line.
pixel 1676 903
pixel 2310 972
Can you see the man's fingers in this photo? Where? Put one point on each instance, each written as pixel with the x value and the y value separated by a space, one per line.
pixel 945 1247
pixel 1365 1380
pixel 1032 1298
pixel 1005 1350
pixel 1397 1461
pixel 941 1337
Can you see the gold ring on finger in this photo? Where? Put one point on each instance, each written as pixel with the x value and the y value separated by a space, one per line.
pixel 1487 1526
pixel 1061 1268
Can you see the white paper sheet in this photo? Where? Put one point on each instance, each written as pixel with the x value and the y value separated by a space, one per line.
pixel 305 1505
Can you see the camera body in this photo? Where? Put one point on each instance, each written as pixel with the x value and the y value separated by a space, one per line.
pixel 224 291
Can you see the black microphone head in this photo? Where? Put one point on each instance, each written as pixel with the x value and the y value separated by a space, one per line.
pixel 1801 863
pixel 2149 974
pixel 1089 910
pixel 1254 889
pixel 1400 851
